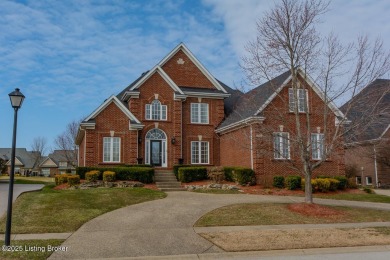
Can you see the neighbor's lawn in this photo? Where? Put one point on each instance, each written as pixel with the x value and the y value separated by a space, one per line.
pixel 30 180
pixel 355 197
pixel 52 211
pixel 29 243
pixel 278 214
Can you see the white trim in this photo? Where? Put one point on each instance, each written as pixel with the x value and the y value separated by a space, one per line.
pixel 200 153
pixel 239 124
pixel 206 95
pixel 318 141
pixel 160 71
pixel 118 103
pixel 48 158
pixel 367 180
pixel 280 150
pixel 164 144
pixel 111 153
pixel 197 63
pixel 199 115
pixel 384 132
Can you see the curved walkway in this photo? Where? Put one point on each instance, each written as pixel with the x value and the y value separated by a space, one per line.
pixel 163 227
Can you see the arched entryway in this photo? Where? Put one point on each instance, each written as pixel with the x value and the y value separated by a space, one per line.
pixel 156 148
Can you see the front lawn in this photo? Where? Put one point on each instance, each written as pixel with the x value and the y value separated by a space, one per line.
pixel 29 180
pixel 279 214
pixel 356 197
pixel 57 211
pixel 24 249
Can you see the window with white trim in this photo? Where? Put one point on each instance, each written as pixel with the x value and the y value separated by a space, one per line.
pixel 317 146
pixel 155 111
pixel 111 149
pixel 63 164
pixel 368 180
pixel 45 172
pixel 302 97
pixel 200 152
pixel 358 180
pixel 281 145
pixel 199 113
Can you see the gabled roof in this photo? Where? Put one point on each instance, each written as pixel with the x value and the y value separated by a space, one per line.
pixel 22 157
pixel 197 63
pixel 369 112
pixel 118 103
pixel 253 103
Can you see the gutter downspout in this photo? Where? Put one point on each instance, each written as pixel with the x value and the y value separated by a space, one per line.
pixel 85 145
pixel 251 138
pixel 375 167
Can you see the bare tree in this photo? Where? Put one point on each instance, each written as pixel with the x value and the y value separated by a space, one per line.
pixel 287 39
pixel 38 148
pixel 66 141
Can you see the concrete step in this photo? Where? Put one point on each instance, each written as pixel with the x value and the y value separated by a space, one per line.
pixel 165 178
pixel 173 189
pixel 168 184
pixel 164 174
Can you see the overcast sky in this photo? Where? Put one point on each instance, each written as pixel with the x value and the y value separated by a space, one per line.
pixel 67 57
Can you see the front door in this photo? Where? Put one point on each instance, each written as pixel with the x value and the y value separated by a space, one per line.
pixel 155 156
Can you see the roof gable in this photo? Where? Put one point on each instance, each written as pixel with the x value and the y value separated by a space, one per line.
pixel 118 103
pixel 194 60
pixel 48 162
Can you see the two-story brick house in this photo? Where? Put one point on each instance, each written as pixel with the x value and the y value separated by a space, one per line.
pixel 177 112
pixel 168 115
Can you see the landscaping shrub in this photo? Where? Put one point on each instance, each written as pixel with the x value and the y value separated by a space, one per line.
pixel 73 180
pixel 244 176
pixel 188 174
pixel 142 174
pixel 313 185
pixel 177 167
pixel 293 182
pixel 278 182
pixel 368 190
pixel 323 185
pixel 343 182
pixel 81 171
pixel 352 183
pixel 228 173
pixel 61 178
pixel 333 184
pixel 92 176
pixel 108 176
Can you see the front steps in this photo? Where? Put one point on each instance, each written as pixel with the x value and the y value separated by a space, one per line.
pixel 166 181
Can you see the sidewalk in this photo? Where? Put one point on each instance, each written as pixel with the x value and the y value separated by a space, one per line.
pixel 43 236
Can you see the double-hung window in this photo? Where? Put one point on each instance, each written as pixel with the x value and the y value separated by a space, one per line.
pixel 156 111
pixel 111 149
pixel 317 146
pixel 281 145
pixel 199 113
pixel 302 98
pixel 199 152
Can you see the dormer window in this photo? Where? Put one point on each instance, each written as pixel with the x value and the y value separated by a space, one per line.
pixel 156 111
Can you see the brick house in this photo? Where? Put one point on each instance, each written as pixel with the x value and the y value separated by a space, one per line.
pixel 177 112
pixel 26 162
pixel 262 129
pixel 368 143
pixel 58 162
pixel 168 115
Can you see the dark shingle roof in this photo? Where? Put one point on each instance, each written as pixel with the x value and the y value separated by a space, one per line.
pixel 248 104
pixel 26 157
pixel 369 111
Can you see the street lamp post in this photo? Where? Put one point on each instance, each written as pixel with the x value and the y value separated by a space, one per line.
pixel 16 98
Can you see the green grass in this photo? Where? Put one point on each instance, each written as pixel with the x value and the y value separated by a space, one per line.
pixel 217 191
pixel 24 245
pixel 279 214
pixel 52 211
pixel 29 180
pixel 355 197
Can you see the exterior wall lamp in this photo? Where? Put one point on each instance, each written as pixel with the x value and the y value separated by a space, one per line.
pixel 173 140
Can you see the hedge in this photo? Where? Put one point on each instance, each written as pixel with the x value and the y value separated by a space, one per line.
pixel 323 185
pixel 229 173
pixel 92 176
pixel 177 167
pixel 244 176
pixel 61 178
pixel 108 176
pixel 142 174
pixel 73 180
pixel 343 182
pixel 278 182
pixel 188 174
pixel 293 182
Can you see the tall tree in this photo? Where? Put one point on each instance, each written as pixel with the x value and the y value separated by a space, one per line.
pixel 39 148
pixel 288 39
pixel 66 141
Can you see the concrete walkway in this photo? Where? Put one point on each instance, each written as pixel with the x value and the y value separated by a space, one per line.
pixel 382 192
pixel 164 227
pixel 18 189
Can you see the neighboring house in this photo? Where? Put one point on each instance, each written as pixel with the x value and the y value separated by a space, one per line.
pixel 260 132
pixel 58 162
pixel 26 162
pixel 368 142
pixel 165 117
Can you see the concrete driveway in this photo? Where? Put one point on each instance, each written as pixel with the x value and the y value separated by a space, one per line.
pixel 18 189
pixel 162 227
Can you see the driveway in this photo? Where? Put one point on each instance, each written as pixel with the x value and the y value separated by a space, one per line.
pixel 18 189
pixel 162 227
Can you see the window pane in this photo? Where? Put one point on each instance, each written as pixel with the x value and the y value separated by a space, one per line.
pixel 276 146
pixel 204 155
pixel 147 143
pixel 291 99
pixel 156 106
pixel 106 149
pixel 204 113
pixel 164 112
pixel 115 149
pixel 147 112
pixel 194 152
pixel 286 148
pixel 302 100
pixel 194 113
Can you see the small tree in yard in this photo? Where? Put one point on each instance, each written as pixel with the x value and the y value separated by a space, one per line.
pixel 38 147
pixel 66 141
pixel 287 40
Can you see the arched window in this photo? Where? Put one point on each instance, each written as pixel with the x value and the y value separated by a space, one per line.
pixel 156 134
pixel 156 111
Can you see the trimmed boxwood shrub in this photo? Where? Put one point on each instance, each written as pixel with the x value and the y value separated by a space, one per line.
pixel 323 185
pixel 334 184
pixel 73 180
pixel 244 176
pixel 81 171
pixel 278 182
pixel 108 176
pixel 188 174
pixel 61 179
pixel 92 176
pixel 293 182
pixel 229 173
pixel 313 185
pixel 142 174
pixel 343 182
pixel 177 167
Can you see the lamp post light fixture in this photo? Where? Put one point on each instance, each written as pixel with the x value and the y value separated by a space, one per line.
pixel 16 98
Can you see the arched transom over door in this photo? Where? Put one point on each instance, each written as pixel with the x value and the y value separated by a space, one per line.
pixel 156 148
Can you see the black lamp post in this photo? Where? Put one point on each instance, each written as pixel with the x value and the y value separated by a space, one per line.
pixel 16 98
